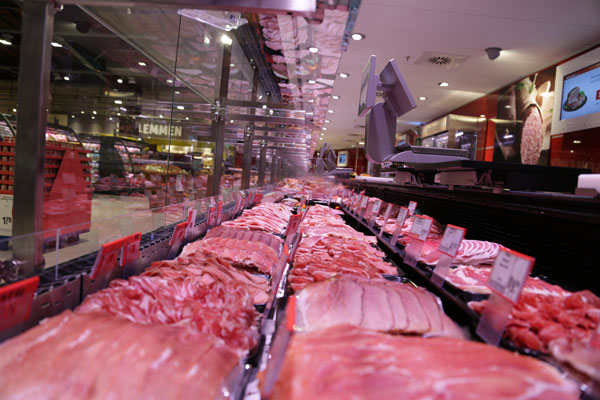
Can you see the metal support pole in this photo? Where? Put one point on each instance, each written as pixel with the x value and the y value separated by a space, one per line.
pixel 249 139
pixel 37 28
pixel 218 124
pixel 273 166
pixel 262 163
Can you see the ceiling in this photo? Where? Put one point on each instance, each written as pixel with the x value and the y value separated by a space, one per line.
pixel 533 34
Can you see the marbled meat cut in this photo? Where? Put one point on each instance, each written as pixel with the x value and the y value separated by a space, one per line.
pixel 223 311
pixel 470 252
pixel 346 362
pixel 376 304
pixel 94 356
pixel 207 268
pixel 268 217
pixel 243 234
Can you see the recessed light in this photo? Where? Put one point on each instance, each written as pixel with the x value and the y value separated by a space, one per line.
pixel 142 64
pixel 94 112
pixel 169 80
pixel 576 141
pixel 66 78
pixel 324 128
pixel 5 42
pixel 361 143
pixel 313 49
pixel 443 84
pixel 180 107
pixel 572 151
pixel 226 40
pixel 119 80
pixel 330 111
pixel 271 112
pixel 327 121
pixel 343 75
pixel 264 106
pixel 93 117
pixel 177 92
pixel 187 118
pixel 482 116
pixel 55 44
pixel 119 114
pixel 14 110
pixel 312 81
pixel 160 116
pixel 118 101
pixel 358 36
pixel 231 121
pixel 320 138
pixel 335 97
pixel 232 65
pixel 422 98
pixel 311 100
pixel 72 116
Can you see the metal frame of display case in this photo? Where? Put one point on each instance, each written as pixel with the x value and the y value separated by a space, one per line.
pixel 33 94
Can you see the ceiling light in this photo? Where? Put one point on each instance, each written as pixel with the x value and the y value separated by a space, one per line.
pixel 160 116
pixel 118 101
pixel 5 42
pixel 311 100
pixel 343 75
pixel 110 118
pixel 313 49
pixel 93 117
pixel 14 110
pixel 119 80
pixel 260 97
pixel 577 141
pixel 122 109
pixel 572 151
pixel 358 36
pixel 271 112
pixel 94 112
pixel 206 40
pixel 232 65
pixel 187 118
pixel 459 134
pixel 72 116
pixel 119 114
pixel 231 121
pixel 180 107
pixel 83 112
pixel 309 113
pixel 226 40
pixel 422 98
pixel 324 128
pixel 66 78
pixel 330 111
pixel 320 138
pixel 177 92
pixel 312 81
pixel 264 106
pixel 443 84
pixel 361 143
pixel 482 116
pixel 335 97
pixel 56 44
pixel 142 64
pixel 169 80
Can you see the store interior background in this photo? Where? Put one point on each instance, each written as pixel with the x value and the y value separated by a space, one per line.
pixel 138 89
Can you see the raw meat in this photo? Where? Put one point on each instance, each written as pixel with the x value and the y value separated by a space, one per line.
pixel 375 304
pixel 225 312
pixel 345 362
pixel 268 217
pixel 207 268
pixel 582 355
pixel 94 356
pixel 470 252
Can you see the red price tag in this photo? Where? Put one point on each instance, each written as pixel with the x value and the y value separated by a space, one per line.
pixel 257 198
pixel 509 273
pixel 412 207
pixel 15 302
pixel 107 258
pixel 421 227
pixel 293 225
pixel 450 243
pixel 131 249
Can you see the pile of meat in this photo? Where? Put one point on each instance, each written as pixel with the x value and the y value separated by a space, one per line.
pixel 268 217
pixel 344 362
pixel 376 304
pixel 331 247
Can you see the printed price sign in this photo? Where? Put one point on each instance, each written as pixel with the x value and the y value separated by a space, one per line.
pixel 6 205
pixel 388 211
pixel 449 245
pixel 402 214
pixel 257 198
pixel 15 302
pixel 509 273
pixel 191 220
pixel 419 231
pixel 211 215
pixel 292 227
pixel 412 207
pixel 363 202
pixel 377 206
pixel 374 212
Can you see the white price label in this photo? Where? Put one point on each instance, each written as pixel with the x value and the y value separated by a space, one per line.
pixel 6 206
pixel 401 219
pixel 412 207
pixel 364 201
pixel 377 206
pixel 450 243
pixel 420 227
pixel 509 273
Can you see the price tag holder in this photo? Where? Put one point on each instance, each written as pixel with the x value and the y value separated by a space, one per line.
pixel 191 221
pixel 107 258
pixel 509 274
pixel 16 300
pixel 329 200
pixel 412 207
pixel 388 211
pixel 211 216
pixel 292 227
pixel 375 212
pixel 400 220
pixel 449 245
pixel 177 238
pixel 302 203
pixel 368 212
pixel 257 198
pixel 219 215
pixel 363 206
pixel 418 232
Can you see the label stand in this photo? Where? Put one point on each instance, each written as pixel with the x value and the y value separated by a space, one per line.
pixel 449 245
pixel 494 319
pixel 413 252
pixel 419 233
pixel 388 211
pixel 399 225
pixel 441 269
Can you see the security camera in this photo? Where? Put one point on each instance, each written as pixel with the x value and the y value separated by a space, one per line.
pixel 493 52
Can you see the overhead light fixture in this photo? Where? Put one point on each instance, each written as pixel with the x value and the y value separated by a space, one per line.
pixel 177 92
pixel 443 84
pixel 576 141
pixel 232 65
pixel 119 80
pixel 142 64
pixel 160 116
pixel 180 107
pixel 110 118
pixel 335 97
pixel 231 121
pixel 459 134
pixel 482 115
pixel 169 80
pixel 361 143
pixel 313 49
pixel 123 109
pixel 343 75
pixel 358 36
pixel 324 128
pixel 312 81
pixel 226 40
pixel 6 42
pixel 14 110
pixel 320 138
pixel 422 98
pixel 66 78
pixel 264 106
pixel 271 112
pixel 260 96
pixel 493 52
pixel 327 121
pixel 93 117
pixel 94 112
pixel 206 40
pixel 118 101
pixel 119 114
pixel 330 111
pixel 311 100
pixel 56 44
pixel 72 116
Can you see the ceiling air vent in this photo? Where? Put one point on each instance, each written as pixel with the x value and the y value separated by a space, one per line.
pixel 440 60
